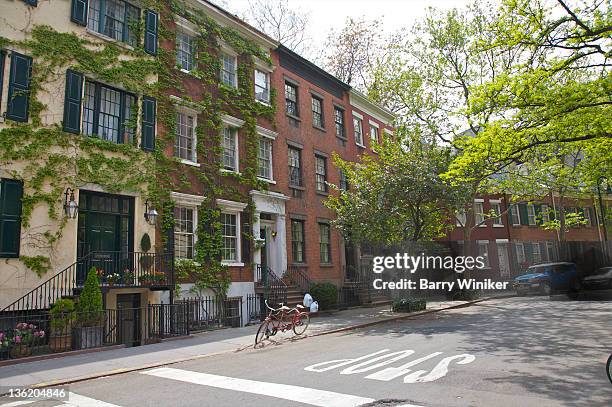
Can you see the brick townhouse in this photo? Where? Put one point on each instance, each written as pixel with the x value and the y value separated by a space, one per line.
pixel 516 239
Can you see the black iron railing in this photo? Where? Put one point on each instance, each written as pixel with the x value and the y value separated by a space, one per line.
pixel 275 289
pixel 296 276
pixel 167 320
pixel 210 312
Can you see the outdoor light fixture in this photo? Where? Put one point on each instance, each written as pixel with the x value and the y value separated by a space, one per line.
pixel 71 208
pixel 150 214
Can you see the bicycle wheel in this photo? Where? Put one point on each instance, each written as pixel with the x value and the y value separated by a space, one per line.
pixel 301 323
pixel 609 368
pixel 262 333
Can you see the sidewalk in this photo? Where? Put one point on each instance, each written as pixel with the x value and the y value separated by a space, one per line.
pixel 90 365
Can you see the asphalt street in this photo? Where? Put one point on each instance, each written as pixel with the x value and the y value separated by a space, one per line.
pixel 527 351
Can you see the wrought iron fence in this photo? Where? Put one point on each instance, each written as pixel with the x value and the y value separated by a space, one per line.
pixel 167 320
pixel 212 312
pixel 256 308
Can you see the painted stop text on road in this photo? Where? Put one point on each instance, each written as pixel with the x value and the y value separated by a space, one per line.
pixel 373 361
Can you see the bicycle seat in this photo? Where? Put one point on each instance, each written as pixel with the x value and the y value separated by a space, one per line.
pixel 300 306
pixel 284 308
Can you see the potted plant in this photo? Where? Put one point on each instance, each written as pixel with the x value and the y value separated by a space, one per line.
pixel 62 317
pixel 128 277
pixel 24 337
pixel 113 278
pixel 145 279
pixel 89 314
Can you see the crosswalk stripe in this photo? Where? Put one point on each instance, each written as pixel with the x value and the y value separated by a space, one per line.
pixel 77 400
pixel 18 403
pixel 315 397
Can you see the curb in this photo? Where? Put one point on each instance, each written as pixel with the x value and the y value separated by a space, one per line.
pixel 186 359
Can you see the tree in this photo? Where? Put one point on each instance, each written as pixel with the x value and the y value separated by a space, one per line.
pixel 286 24
pixel 557 94
pixel 397 195
pixel 353 51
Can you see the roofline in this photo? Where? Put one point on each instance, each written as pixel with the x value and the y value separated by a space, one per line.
pixel 241 25
pixel 361 101
pixel 301 59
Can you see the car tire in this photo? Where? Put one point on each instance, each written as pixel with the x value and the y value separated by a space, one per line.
pixel 545 289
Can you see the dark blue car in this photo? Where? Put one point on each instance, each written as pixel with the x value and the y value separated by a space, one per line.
pixel 549 278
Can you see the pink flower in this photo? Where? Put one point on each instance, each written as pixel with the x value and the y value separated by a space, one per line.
pixel 31 326
pixel 1 336
pixel 17 339
pixel 42 334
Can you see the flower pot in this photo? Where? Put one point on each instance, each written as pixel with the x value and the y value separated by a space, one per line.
pixel 21 351
pixel 60 343
pixel 88 337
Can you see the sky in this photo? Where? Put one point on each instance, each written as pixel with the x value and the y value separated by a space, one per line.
pixel 328 14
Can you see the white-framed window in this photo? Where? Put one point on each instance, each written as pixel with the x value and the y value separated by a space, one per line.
pixel 230 231
pixel 317 111
pixel 184 231
pixel 324 243
pixel 229 70
pixel 116 19
pixel 545 213
pixel 358 126
pixel 262 86
pixel 320 173
pixel 229 142
pixel 185 223
pixel 520 252
pixel 515 214
pixel 550 251
pixel 483 251
pixel 461 218
pixel 537 254
pixel 264 158
pixel 185 138
pixel 479 214
pixel 531 215
pixel 185 51
pixel 374 133
pixel 496 208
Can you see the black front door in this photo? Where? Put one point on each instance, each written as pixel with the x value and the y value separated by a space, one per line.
pixel 128 319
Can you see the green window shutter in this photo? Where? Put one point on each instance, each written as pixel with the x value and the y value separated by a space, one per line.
pixel 148 124
pixel 72 102
pixel 522 208
pixel 78 12
pixel 11 193
pixel 245 238
pixel 150 35
pixel 19 87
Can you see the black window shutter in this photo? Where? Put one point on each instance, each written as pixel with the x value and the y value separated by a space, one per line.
pixel 522 207
pixel 246 237
pixel 19 87
pixel 150 36
pixel 11 193
pixel 78 12
pixel 72 101
pixel 32 3
pixel 148 124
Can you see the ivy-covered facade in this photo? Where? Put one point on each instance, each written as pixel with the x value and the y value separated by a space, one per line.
pixel 180 132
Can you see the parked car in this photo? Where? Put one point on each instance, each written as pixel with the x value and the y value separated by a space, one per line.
pixel 599 279
pixel 549 278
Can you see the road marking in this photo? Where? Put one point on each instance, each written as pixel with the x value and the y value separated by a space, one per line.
pixel 74 400
pixel 315 397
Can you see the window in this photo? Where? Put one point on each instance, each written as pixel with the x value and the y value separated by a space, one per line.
pixel 321 173
pixel 295 167
pixel 291 99
pixel 496 208
pixel 317 112
pixel 230 149
pixel 520 253
pixel 184 232
pixel 550 251
pixel 531 215
pixel 339 121
pixel 262 86
pixel 185 143
pixel 461 218
pixel 515 214
pixel 358 125
pixel 114 18
pixel 11 194
pixel 343 185
pixel 324 243
pixel 483 251
pixel 587 216
pixel 230 237
pixel 478 214
pixel 185 51
pixel 545 214
pixel 109 114
pixel 297 241
pixel 228 70
pixel 374 134
pixel 264 158
pixel 536 253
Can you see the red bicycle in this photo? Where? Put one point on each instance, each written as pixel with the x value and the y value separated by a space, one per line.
pixel 282 319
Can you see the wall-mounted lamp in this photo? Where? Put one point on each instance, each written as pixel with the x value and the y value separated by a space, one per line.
pixel 150 214
pixel 71 208
pixel 273 234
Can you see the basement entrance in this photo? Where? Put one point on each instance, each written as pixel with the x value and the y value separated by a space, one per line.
pixel 129 319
